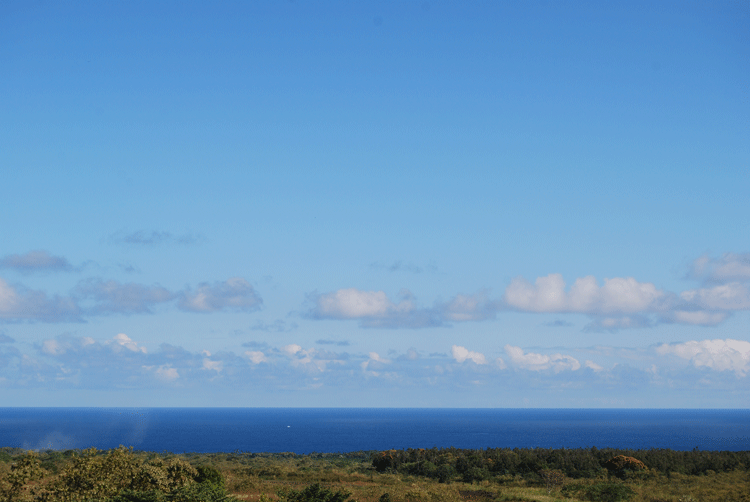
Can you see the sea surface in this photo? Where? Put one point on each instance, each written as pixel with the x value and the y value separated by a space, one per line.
pixel 329 430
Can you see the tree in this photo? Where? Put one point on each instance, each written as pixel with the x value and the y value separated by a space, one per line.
pixel 551 478
pixel 23 471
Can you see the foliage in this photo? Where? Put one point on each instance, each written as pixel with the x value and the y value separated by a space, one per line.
pixel 95 475
pixel 208 474
pixel 599 492
pixel 314 493
pixel 551 478
pixel 25 469
pixel 621 465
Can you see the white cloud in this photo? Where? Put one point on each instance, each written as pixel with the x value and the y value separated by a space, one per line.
pixel 538 362
pixel 373 309
pixel 375 362
pixel 123 340
pixel 617 295
pixel 233 294
pixel 167 373
pixel 216 366
pixel 719 355
pixel 291 349
pixel 353 304
pixel 256 356
pixel 592 365
pixel 461 354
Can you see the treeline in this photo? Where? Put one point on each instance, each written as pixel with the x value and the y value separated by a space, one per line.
pixel 445 464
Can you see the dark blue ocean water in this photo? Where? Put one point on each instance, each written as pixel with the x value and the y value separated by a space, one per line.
pixel 306 430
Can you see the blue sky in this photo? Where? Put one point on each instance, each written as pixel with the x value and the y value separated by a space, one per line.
pixel 442 204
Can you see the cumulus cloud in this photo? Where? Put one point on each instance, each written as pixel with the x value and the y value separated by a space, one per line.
pixel 374 363
pixel 730 267
pixel 123 341
pixel 167 373
pixel 617 295
pixel 209 364
pixel 461 354
pixel 593 366
pixel 256 356
pixel 107 297
pixel 719 355
pixel 372 308
pixel 233 294
pixel 153 238
pixel 20 304
pixel 35 261
pixel 538 362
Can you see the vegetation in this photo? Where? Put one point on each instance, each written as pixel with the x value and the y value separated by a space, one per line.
pixel 414 475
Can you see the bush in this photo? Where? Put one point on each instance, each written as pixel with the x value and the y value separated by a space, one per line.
pixel 313 493
pixel 208 474
pixel 599 492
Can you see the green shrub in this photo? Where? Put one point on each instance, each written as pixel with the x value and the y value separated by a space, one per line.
pixel 313 493
pixel 599 492
pixel 208 474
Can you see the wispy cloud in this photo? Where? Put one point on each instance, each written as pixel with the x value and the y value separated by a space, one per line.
pixel 278 326
pixel 35 261
pixel 401 266
pixel 154 238
pixel 559 323
pixel 338 343
pixel 731 267
pixel 235 294
pixel 108 297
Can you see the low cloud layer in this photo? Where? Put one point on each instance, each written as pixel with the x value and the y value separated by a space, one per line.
pixel 122 362
pixel 96 296
pixel 718 355
pixel 21 304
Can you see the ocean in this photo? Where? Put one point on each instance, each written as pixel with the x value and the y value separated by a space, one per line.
pixel 331 430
